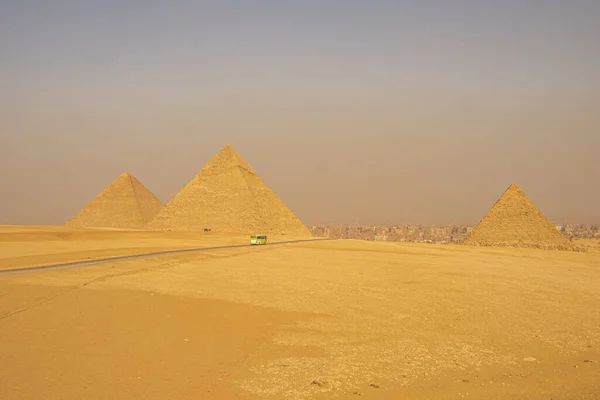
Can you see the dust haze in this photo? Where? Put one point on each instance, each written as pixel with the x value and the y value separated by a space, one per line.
pixel 143 150
pixel 426 124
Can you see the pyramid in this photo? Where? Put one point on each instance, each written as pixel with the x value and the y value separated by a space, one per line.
pixel 228 196
pixel 514 221
pixel 124 204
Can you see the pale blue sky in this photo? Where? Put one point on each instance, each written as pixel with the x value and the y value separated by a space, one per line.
pixel 352 111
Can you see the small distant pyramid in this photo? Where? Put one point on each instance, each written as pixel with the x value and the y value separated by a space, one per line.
pixel 514 221
pixel 228 196
pixel 124 204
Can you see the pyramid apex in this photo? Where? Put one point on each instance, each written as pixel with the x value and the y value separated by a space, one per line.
pixel 125 175
pixel 227 158
pixel 229 149
pixel 514 188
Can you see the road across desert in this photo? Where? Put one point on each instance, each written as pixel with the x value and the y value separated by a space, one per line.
pixel 316 320
pixel 115 259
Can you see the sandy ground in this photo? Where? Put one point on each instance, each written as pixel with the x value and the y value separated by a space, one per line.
pixel 23 246
pixel 316 320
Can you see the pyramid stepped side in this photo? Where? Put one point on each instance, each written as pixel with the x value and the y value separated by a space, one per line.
pixel 515 221
pixel 124 204
pixel 148 203
pixel 216 197
pixel 273 209
pixel 231 201
pixel 228 196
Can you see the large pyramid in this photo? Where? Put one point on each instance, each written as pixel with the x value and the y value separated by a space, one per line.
pixel 514 221
pixel 124 204
pixel 228 196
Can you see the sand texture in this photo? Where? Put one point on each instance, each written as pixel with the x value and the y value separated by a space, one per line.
pixel 228 196
pixel 33 246
pixel 317 320
pixel 515 221
pixel 124 204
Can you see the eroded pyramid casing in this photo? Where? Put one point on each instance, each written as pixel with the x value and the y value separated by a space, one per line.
pixel 124 204
pixel 228 196
pixel 515 221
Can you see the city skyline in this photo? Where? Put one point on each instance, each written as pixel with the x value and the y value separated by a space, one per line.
pixel 438 234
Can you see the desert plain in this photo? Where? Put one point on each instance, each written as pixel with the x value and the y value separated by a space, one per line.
pixel 318 319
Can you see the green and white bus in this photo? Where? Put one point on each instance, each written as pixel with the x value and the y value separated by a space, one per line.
pixel 258 239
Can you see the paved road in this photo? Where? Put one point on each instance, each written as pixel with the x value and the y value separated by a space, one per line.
pixel 137 256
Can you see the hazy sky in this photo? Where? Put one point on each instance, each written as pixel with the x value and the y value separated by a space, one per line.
pixel 351 111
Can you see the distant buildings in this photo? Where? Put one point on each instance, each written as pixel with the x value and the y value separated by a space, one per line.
pixel 427 233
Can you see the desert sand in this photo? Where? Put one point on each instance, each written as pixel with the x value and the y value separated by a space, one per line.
pixel 313 320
